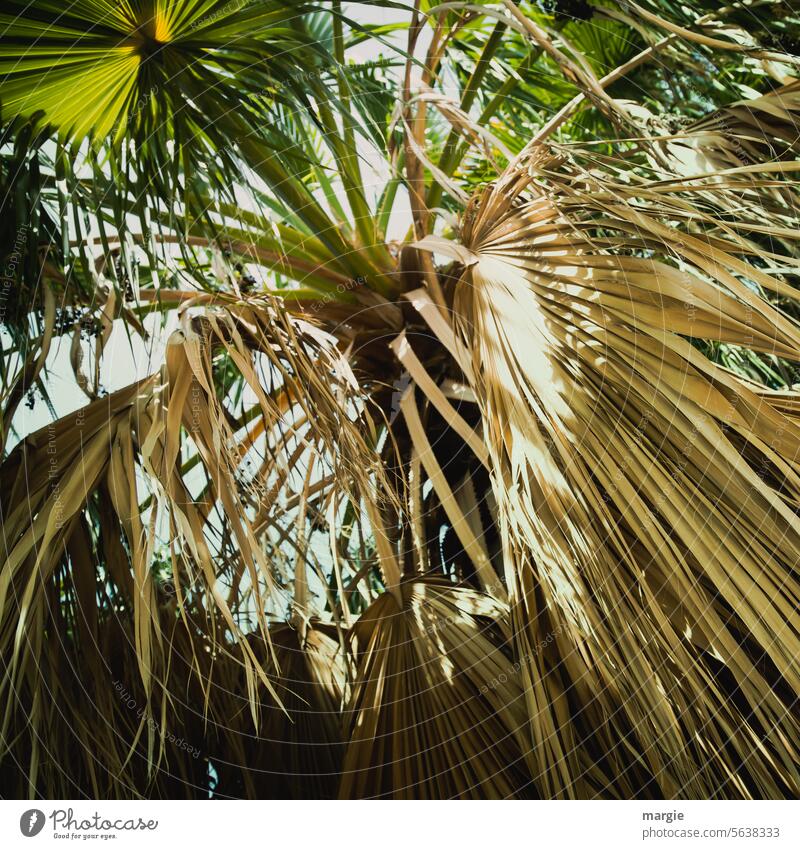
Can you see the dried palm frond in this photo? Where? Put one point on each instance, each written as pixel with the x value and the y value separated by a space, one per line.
pixel 437 706
pixel 297 749
pixel 751 144
pixel 647 497
pixel 121 461
pixel 750 132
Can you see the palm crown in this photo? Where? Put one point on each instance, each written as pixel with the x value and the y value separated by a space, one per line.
pixel 504 505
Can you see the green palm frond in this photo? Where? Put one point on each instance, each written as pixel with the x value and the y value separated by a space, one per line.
pixel 135 67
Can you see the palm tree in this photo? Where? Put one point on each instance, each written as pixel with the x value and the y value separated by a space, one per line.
pixel 503 506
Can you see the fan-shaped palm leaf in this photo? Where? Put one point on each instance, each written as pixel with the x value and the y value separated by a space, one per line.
pixel 646 504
